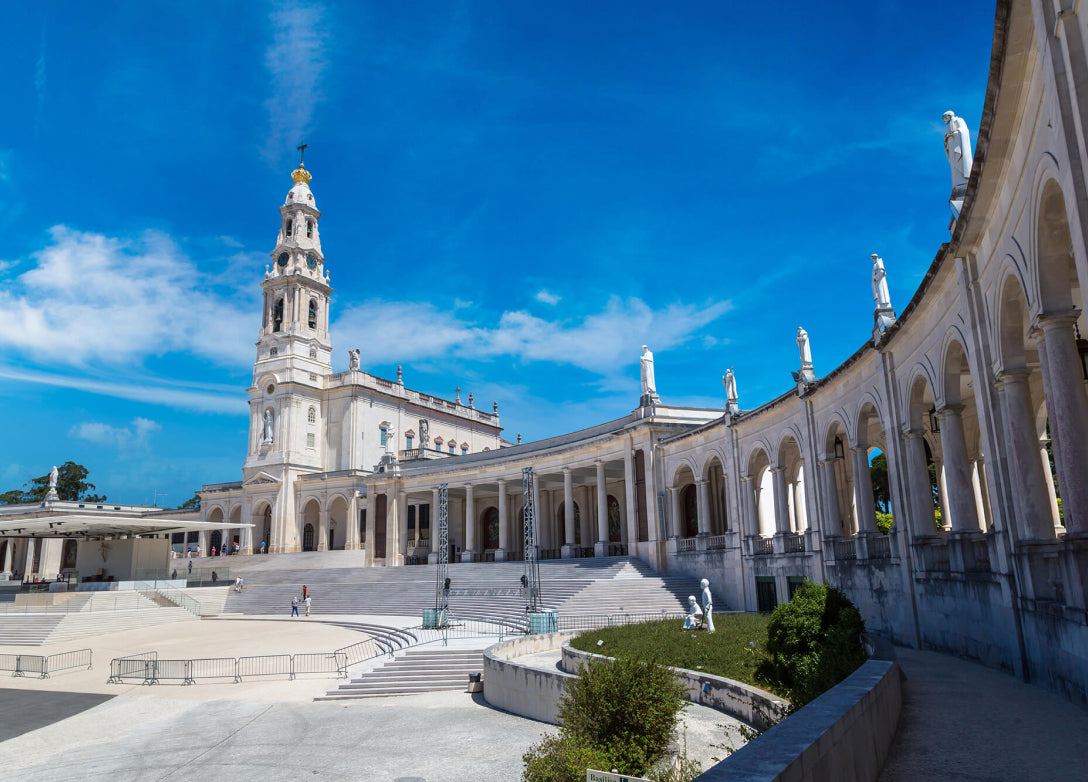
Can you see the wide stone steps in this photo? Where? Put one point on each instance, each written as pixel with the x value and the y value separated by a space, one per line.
pixel 30 630
pixel 413 671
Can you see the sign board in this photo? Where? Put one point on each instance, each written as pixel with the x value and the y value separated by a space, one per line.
pixel 606 776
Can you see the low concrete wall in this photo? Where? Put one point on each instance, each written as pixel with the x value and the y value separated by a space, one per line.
pixel 843 734
pixel 757 707
pixel 519 689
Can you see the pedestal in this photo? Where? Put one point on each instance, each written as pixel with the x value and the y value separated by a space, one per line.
pixel 469 556
pixel 600 549
pixel 566 552
pixel 500 555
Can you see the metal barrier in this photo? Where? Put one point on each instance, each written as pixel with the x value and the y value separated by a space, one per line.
pixel 319 662
pixel 135 666
pixel 266 665
pixel 63 661
pixel 214 668
pixel 363 650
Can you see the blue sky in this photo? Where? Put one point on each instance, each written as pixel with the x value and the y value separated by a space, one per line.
pixel 514 198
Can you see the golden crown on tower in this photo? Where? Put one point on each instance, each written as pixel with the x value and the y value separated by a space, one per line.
pixel 300 174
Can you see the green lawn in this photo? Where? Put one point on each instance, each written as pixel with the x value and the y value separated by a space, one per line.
pixel 725 652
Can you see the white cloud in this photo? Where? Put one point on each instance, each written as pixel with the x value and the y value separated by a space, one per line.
pixel 91 298
pixel 116 436
pixel 295 59
pixel 602 342
pixel 547 297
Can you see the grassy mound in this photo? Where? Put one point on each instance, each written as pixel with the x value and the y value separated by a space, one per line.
pixel 727 652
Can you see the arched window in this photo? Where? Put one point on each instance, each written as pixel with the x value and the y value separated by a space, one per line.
pixel 289 230
pixel 277 315
pixel 453 447
pixel 312 416
pixel 313 313
pixel 309 229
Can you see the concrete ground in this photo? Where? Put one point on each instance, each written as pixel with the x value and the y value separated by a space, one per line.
pixel 75 726
pixel 963 721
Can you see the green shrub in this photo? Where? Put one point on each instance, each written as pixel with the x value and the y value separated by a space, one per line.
pixel 813 643
pixel 884 522
pixel 618 714
pixel 563 758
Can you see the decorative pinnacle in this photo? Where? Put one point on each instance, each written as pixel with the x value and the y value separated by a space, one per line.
pixel 300 174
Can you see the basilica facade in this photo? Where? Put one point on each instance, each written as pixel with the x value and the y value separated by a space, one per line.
pixel 975 392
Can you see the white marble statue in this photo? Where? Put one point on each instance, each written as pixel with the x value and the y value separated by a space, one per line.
pixel 424 429
pixel 53 475
pixel 353 358
pixel 957 146
pixel 691 621
pixel 708 605
pixel 729 380
pixel 881 296
pixel 646 368
pixel 390 441
pixel 268 426
pixel 803 348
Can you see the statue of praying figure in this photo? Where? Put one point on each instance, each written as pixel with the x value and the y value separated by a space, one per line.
pixel 691 621
pixel 353 358
pixel 646 368
pixel 53 475
pixel 708 606
pixel 957 146
pixel 268 426
pixel 390 440
pixel 881 296
pixel 803 348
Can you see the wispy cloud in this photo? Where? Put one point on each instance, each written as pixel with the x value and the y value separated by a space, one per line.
pixel 168 394
pixel 601 342
pixel 135 435
pixel 93 298
pixel 547 297
pixel 295 60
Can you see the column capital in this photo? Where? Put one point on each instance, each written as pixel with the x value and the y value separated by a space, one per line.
pixel 1051 321
pixel 701 482
pixel 914 434
pixel 501 482
pixel 776 470
pixel 566 471
pixel 862 449
pixel 950 411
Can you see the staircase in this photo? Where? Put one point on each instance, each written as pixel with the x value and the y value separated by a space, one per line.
pixel 83 615
pixel 413 671
pixel 593 586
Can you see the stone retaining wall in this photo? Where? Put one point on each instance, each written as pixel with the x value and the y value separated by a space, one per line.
pixel 519 689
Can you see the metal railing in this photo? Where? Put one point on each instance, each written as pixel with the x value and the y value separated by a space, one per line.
pixel 134 666
pixel 43 666
pixel 597 621
pixel 190 604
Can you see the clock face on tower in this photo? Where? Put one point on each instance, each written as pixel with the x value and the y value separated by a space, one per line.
pixel 282 260
pixel 311 261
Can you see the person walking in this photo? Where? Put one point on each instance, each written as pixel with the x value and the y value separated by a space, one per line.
pixel 304 593
pixel 307 605
pixel 190 567
pixel 294 605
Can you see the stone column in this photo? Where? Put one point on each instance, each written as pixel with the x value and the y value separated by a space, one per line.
pixel 401 510
pixel 351 534
pixel 540 520
pixel 629 497
pixel 961 493
pixel 863 490
pixel 468 554
pixel 781 504
pixel 1067 411
pixel 920 492
pixel 674 513
pixel 585 523
pixel 322 530
pixel 504 524
pixel 1030 497
pixel 600 548
pixel 831 498
pixel 702 509
pixel 748 508
pixel 568 515
pixel 9 546
pixel 942 491
pixel 371 524
pixel 1044 460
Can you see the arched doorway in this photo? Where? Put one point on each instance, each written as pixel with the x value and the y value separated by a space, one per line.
pixel 217 541
pixel 615 521
pixel 689 512
pixel 491 528
pixel 308 538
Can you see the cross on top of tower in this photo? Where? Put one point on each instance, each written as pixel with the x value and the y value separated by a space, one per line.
pixel 300 174
pixel 302 154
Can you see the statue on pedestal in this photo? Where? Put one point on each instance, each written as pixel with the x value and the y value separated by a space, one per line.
pixel 646 370
pixel 884 314
pixel 957 146
pixel 729 380
pixel 353 358
pixel 708 606
pixel 424 429
pixel 51 495
pixel 807 374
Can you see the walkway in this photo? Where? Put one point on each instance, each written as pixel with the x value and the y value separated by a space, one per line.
pixel 963 721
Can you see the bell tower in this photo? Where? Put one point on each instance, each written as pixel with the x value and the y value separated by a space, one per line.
pixel 295 327
pixel 294 352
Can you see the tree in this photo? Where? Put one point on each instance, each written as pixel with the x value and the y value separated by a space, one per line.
pixel 878 474
pixel 191 503
pixel 72 486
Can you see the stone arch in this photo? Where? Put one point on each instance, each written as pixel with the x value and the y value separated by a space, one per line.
pixel 761 521
pixel 262 525
pixel 792 463
pixel 713 473
pixel 838 476
pixel 927 490
pixel 337 531
pixel 960 435
pixel 311 518
pixel 686 503
pixel 215 514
